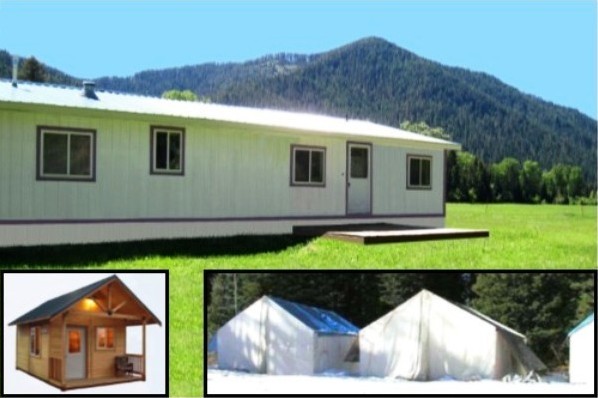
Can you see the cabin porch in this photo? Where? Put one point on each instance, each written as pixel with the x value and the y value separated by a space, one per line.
pixel 96 382
pixel 122 373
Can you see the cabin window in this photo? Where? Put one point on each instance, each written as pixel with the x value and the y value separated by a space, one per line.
pixel 105 338
pixel 65 154
pixel 167 147
pixel 308 165
pixel 34 341
pixel 419 172
pixel 74 341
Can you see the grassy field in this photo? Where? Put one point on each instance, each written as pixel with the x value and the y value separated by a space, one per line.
pixel 521 237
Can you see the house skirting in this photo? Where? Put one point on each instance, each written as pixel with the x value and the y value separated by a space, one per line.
pixel 56 232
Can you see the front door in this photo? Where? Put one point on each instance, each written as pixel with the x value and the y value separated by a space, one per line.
pixel 359 178
pixel 76 353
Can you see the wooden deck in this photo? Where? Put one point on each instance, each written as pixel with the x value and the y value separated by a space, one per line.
pixel 84 383
pixel 368 234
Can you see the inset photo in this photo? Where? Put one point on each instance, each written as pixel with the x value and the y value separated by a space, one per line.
pixel 399 333
pixel 85 333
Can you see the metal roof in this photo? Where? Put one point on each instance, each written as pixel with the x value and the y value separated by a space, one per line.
pixel 317 319
pixel 55 306
pixel 588 320
pixel 72 97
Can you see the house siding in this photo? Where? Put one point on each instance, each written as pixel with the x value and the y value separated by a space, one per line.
pixel 36 365
pixel 390 195
pixel 23 347
pixel 39 365
pixel 56 343
pixel 233 172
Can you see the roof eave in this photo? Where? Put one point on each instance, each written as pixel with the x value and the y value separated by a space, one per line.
pixel 424 143
pixel 36 320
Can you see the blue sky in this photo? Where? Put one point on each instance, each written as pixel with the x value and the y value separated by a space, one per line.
pixel 545 48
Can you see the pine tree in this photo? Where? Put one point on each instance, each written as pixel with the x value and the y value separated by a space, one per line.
pixel 585 286
pixel 530 180
pixel 395 288
pixel 180 95
pixel 33 71
pixel 230 294
pixel 543 306
pixel 221 307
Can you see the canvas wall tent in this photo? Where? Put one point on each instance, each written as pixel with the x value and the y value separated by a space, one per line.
pixel 429 338
pixel 582 352
pixel 276 336
pixel 78 168
pixel 79 339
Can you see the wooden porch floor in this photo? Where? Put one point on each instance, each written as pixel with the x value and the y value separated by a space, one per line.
pixel 83 383
pixel 368 234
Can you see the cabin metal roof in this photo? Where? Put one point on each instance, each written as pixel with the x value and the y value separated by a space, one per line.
pixel 57 305
pixel 319 320
pixel 71 97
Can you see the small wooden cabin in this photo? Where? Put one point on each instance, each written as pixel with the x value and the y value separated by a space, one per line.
pixel 79 339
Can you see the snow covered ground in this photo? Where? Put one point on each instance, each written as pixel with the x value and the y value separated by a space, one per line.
pixel 234 383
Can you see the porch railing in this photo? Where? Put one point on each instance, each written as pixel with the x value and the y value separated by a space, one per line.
pixel 137 361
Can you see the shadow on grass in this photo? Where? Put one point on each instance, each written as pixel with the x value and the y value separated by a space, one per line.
pixel 97 253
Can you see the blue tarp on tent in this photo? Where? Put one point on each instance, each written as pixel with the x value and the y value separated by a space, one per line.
pixel 589 319
pixel 319 320
pixel 213 344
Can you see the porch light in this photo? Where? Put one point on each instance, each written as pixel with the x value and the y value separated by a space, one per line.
pixel 89 304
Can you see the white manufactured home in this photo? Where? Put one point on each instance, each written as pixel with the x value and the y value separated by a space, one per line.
pixel 81 165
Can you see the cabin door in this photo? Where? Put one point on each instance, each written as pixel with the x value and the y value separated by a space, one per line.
pixel 359 178
pixel 76 353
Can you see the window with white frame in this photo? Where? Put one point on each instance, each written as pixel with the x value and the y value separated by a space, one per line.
pixel 419 172
pixel 65 154
pixel 168 148
pixel 308 165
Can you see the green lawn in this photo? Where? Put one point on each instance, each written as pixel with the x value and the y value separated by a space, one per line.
pixel 520 237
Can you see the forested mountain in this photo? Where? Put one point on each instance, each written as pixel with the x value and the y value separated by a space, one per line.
pixel 52 75
pixel 543 306
pixel 377 80
pixel 205 80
